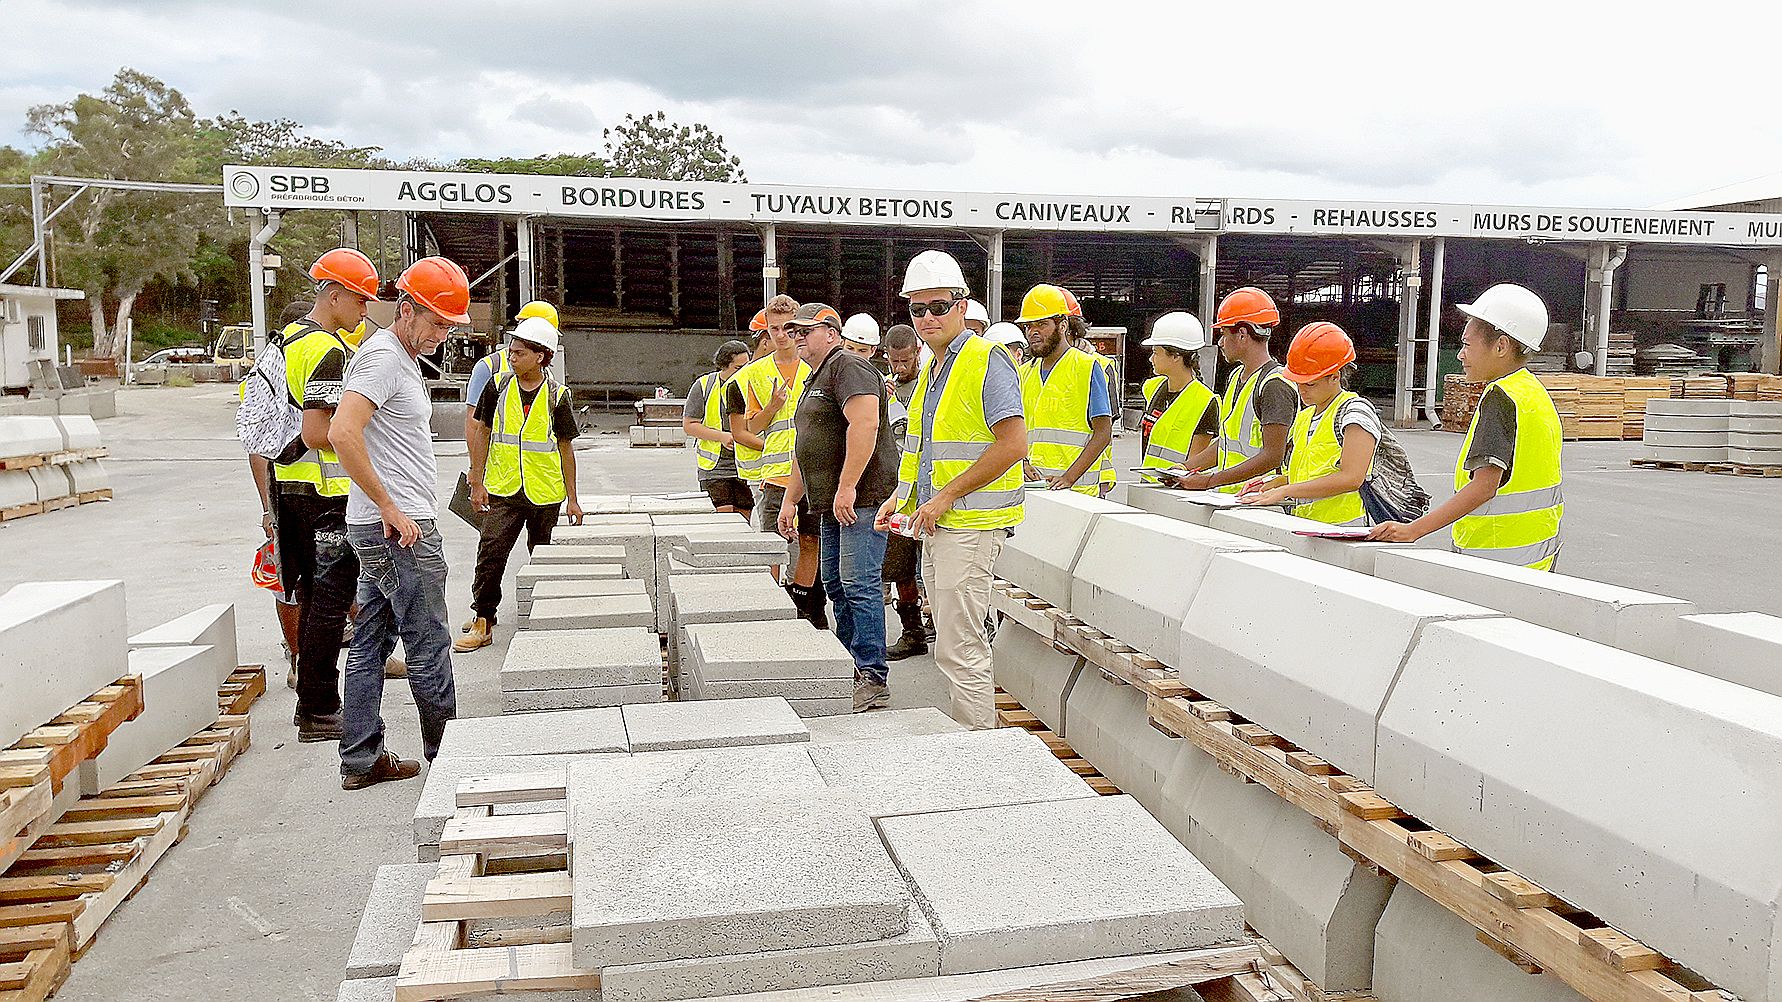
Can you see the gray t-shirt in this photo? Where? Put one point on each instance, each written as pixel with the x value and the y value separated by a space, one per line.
pixel 698 395
pixel 399 436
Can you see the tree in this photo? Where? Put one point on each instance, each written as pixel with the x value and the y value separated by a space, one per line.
pixel 652 146
pixel 567 164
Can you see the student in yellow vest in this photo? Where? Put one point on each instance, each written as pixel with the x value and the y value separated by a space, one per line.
pixel 1507 501
pixel 1259 404
pixel 1064 397
pixel 522 467
pixel 494 364
pixel 959 480
pixel 1180 427
pixel 760 410
pixel 714 449
pixel 316 562
pixel 1078 334
pixel 1343 467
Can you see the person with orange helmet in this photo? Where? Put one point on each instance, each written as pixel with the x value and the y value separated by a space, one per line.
pixel 383 433
pixel 1343 468
pixel 1259 404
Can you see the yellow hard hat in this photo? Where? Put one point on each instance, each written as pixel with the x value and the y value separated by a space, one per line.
pixel 539 308
pixel 1042 301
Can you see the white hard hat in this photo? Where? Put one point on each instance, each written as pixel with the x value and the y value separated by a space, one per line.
pixel 1513 310
pixel 1003 332
pixel 974 310
pixel 1177 330
pixel 536 330
pixel 861 329
pixel 933 269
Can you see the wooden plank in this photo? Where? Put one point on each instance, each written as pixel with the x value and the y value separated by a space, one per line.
pixel 1202 968
pixel 1266 765
pixel 15 890
pixel 1518 891
pixel 512 788
pixel 430 976
pixel 499 896
pixel 107 808
pixel 506 834
pixel 1621 951
pixel 100 906
pixel 69 833
pixel 1439 848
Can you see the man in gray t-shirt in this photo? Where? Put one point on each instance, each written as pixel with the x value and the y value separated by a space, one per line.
pixel 382 431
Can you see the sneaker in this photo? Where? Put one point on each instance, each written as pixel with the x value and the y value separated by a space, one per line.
pixel 870 696
pixel 395 667
pixel 482 634
pixel 318 728
pixel 388 769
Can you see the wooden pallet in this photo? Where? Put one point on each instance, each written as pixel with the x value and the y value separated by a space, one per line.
pixel 1745 470
pixel 20 511
pixel 35 768
pixel 88 497
pixel 1010 713
pixel 244 685
pixel 1666 464
pixel 23 462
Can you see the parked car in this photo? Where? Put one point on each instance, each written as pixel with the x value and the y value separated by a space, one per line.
pixel 192 355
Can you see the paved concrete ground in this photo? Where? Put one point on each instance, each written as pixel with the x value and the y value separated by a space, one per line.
pixel 261 900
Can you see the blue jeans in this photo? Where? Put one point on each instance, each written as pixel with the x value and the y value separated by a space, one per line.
pixel 852 568
pixel 401 593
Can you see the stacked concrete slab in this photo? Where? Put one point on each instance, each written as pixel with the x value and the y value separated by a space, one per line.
pixel 578 553
pixel 1608 614
pixel 210 626
pixel 922 774
pixel 577 587
pixel 387 925
pixel 591 613
pixel 554 732
pixel 1286 531
pixel 1043 550
pixel 881 724
pixel 713 724
pixel 1037 674
pixel 1754 433
pixel 745 596
pixel 86 476
pixel 179 699
pixel 653 435
pixel 1741 647
pixel 28 435
pixel 781 657
pixel 1687 431
pixel 548 669
pixel 60 642
pixel 79 432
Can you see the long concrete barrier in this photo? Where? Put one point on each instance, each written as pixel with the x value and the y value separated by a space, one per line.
pixel 1742 647
pixel 1029 668
pixel 1285 530
pixel 1168 503
pixel 60 642
pixel 1424 953
pixel 1040 555
pixel 1639 790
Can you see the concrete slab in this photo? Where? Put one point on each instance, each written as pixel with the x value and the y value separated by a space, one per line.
pixel 578 588
pixel 1055 882
pixel 772 874
pixel 1685 422
pixel 811 708
pixel 777 649
pixel 367 990
pixel 60 642
pixel 531 574
pixel 577 553
pixel 1677 454
pixel 638 539
pixel 1625 757
pixel 1741 647
pixel 179 699
pixel 439 789
pixel 585 697
pixel 1029 668
pixel 1755 457
pixel 1283 530
pixel 599 612
pixel 1039 556
pixel 79 431
pixel 1426 952
pixel 28 435
pixel 682 562
pixel 713 724
pixel 212 626
pixel 792 689
pixel 1138 574
pixel 720 535
pixel 51 483
pixel 637 782
pixel 391 916
pixel 566 732
pixel 746 596
pixel 925 773
pixel 16 488
pixel 673 519
pixel 1685 439
pixel 1691 408
pixel 1635 621
pixel 1323 682
pixel 573 659
pixel 882 724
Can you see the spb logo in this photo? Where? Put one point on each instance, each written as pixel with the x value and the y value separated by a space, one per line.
pixel 244 185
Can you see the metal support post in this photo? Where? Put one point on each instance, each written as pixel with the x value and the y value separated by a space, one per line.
pixel 770 263
pixel 1411 282
pixel 1770 349
pixel 1601 274
pixel 1432 362
pixel 993 278
pixel 523 247
pixel 1207 359
pixel 257 276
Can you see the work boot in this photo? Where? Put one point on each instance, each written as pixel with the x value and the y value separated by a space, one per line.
pixel 482 634
pixel 469 624
pixel 913 642
pixel 870 695
pixel 809 601
pixel 317 728
pixel 387 769
pixel 395 667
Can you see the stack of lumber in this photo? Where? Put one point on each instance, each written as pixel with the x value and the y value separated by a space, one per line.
pixel 1702 386
pixel 1621 354
pixel 1459 399
pixel 1635 391
pixel 1754 386
pixel 1566 391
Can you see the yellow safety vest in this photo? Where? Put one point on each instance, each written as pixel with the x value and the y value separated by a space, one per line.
pixel 1240 434
pixel 1057 410
pixel 960 435
pixel 1521 524
pixel 523 444
pixel 1104 468
pixel 776 460
pixel 1316 452
pixel 706 454
pixel 304 346
pixel 1173 435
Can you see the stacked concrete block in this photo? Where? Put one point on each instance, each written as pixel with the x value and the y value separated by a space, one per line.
pixel 1037 674
pixel 1285 530
pixel 896 776
pixel 1321 680
pixel 652 436
pixel 713 724
pixel 531 575
pixel 1138 574
pixel 79 432
pixel 1754 433
pixel 809 668
pixel 60 642
pixel 1114 883
pixel 1741 647
pixel 742 597
pixel 1687 431
pixel 439 792
pixel 1590 771
pixel 639 782
pixel 179 699
pixel 548 587
pixel 720 530
pixel 28 435
pixel 556 732
pixel 391 916
pixel 51 483
pixel 1038 558
pixel 578 553
pixel 1426 952
pixel 211 626
pixel 86 476
pixel 16 489
pixel 687 503
pixel 558 669
pixel 592 613
pixel 1632 620
pixel 747 549
pixel 881 724
pixel 636 535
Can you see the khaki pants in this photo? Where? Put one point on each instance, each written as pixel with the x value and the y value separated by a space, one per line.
pixel 956 568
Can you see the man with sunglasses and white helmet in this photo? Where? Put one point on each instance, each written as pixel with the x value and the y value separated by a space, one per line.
pixel 959 480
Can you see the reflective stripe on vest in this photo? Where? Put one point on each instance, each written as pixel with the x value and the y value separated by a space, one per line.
pixel 1240 434
pixel 304 346
pixel 523 454
pixel 1172 437
pixel 959 436
pixel 1057 410
pixel 774 461
pixel 1521 525
pixel 706 454
pixel 1317 453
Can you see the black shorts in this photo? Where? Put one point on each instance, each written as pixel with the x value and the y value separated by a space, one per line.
pixel 773 497
pixel 730 492
pixel 902 557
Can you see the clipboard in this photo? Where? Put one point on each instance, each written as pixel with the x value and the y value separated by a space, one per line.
pixel 1349 535
pixel 460 504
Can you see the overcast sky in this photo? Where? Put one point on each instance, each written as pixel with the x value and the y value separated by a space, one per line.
pixel 1550 102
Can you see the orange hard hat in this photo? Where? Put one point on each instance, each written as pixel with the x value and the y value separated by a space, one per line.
pixel 1319 349
pixel 1248 305
pixel 760 321
pixel 347 267
pixel 265 571
pixel 440 285
pixel 1071 306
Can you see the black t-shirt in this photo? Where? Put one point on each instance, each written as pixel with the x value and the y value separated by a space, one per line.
pixel 1277 402
pixel 733 401
pixel 562 414
pixel 1494 436
pixel 822 441
pixel 1161 401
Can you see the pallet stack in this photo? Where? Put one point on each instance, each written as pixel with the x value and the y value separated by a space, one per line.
pixel 1714 436
pixel 1754 386
pixel 659 423
pixel 49 463
pixel 1607 407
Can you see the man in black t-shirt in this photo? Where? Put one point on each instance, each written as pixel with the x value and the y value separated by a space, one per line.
pixel 844 463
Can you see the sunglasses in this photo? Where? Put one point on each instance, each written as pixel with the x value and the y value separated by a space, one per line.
pixel 937 307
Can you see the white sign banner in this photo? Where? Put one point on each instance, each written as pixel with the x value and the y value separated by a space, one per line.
pixel 635 198
pixel 1500 222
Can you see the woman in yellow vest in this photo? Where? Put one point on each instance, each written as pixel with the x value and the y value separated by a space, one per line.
pixel 1180 426
pixel 1342 466
pixel 1064 395
pixel 1507 502
pixel 714 449
pixel 522 466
